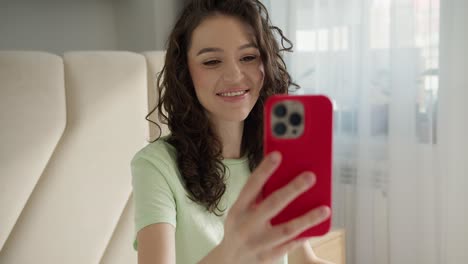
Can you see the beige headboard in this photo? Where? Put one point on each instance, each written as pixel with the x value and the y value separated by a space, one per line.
pixel 69 128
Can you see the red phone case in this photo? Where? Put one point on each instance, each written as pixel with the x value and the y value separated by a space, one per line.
pixel 312 151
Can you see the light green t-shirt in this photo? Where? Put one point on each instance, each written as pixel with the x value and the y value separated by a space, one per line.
pixel 160 197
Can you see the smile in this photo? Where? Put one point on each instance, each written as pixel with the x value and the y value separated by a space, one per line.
pixel 233 94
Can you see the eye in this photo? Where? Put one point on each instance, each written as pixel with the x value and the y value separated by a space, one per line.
pixel 249 58
pixel 211 62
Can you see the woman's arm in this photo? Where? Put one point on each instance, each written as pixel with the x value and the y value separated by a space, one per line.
pixel 304 254
pixel 156 244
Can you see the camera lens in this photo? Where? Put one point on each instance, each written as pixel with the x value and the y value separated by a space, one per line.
pixel 280 129
pixel 295 119
pixel 280 110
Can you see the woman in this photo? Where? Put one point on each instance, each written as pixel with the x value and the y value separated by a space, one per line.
pixel 195 190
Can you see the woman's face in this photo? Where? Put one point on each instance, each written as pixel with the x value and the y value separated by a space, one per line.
pixel 226 68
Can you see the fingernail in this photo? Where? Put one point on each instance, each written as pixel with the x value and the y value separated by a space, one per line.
pixel 309 178
pixel 275 157
pixel 324 210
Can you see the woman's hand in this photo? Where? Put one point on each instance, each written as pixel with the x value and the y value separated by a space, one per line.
pixel 248 235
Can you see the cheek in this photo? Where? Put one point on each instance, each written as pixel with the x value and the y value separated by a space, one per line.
pixel 202 81
pixel 196 76
pixel 259 76
pixel 262 73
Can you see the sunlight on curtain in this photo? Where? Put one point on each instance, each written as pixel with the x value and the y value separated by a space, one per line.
pixel 379 62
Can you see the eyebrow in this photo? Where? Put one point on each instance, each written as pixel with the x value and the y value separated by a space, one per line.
pixel 245 46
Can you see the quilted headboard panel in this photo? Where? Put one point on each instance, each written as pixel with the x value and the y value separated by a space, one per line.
pixel 117 250
pixel 32 120
pixel 77 207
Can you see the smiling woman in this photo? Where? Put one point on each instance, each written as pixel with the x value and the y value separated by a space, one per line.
pixel 205 58
pixel 195 190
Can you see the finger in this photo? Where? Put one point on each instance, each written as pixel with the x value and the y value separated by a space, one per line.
pixel 284 232
pixel 278 252
pixel 257 179
pixel 278 200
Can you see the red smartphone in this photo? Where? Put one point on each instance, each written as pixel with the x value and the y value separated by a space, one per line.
pixel 300 127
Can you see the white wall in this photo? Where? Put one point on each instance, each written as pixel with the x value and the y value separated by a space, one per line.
pixel 166 13
pixel 62 25
pixel 135 24
pixel 144 25
pixel 453 130
pixel 57 26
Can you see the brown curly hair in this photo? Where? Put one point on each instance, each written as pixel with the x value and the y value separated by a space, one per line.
pixel 199 150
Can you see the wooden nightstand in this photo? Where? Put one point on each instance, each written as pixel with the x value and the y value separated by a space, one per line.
pixel 331 246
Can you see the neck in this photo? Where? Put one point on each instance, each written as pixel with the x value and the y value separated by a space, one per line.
pixel 230 134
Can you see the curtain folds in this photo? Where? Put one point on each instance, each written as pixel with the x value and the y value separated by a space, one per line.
pixel 380 62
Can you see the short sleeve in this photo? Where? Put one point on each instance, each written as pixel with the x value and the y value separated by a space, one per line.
pixel 153 198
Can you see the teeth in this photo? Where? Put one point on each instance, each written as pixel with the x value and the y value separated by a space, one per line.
pixel 233 93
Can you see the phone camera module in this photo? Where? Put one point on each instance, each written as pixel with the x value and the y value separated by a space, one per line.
pixel 287 119
pixel 295 119
pixel 280 110
pixel 280 129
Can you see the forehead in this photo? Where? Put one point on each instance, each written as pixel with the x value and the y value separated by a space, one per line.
pixel 221 31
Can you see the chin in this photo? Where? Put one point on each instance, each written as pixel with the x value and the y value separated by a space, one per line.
pixel 236 117
pixel 239 118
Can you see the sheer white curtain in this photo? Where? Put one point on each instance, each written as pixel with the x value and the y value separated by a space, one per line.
pixel 379 62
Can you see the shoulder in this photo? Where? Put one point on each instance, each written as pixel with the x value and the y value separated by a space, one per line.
pixel 159 153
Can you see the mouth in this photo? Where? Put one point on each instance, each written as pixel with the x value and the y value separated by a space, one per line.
pixel 233 93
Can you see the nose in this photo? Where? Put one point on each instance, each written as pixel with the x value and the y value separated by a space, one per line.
pixel 232 72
